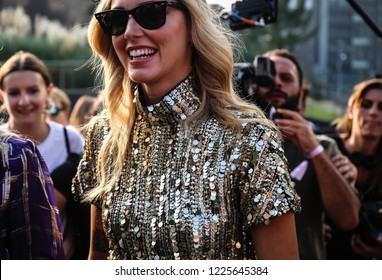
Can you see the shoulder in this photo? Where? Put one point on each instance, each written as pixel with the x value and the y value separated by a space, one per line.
pixel 97 132
pixel 259 129
pixel 17 155
pixel 99 128
pixel 13 145
pixel 57 130
pixel 73 133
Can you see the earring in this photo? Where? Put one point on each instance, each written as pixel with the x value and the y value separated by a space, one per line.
pixel 51 108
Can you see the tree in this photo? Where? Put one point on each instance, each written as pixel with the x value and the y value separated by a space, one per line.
pixel 293 27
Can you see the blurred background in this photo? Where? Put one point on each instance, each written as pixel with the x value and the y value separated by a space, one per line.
pixel 335 46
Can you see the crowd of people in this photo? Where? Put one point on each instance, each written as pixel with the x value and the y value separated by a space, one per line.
pixel 170 162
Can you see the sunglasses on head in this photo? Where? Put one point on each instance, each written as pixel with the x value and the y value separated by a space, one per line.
pixel 150 16
pixel 367 104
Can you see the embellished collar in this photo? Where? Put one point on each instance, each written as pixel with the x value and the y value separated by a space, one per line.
pixel 176 106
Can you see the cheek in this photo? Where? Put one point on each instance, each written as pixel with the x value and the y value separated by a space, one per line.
pixel 357 117
pixel 119 48
pixel 10 102
pixel 40 101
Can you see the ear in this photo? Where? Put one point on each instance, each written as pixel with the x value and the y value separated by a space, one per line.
pixel 50 89
pixel 350 112
pixel 1 95
pixel 301 103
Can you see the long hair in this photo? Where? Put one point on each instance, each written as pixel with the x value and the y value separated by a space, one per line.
pixel 344 124
pixel 213 61
pixel 81 112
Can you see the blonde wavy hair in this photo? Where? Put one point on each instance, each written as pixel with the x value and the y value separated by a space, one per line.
pixel 344 124
pixel 213 61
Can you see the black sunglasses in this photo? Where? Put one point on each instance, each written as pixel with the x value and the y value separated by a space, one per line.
pixel 367 104
pixel 150 16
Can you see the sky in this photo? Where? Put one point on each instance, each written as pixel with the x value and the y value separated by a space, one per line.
pixel 224 3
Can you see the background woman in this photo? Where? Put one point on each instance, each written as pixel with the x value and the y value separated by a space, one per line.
pixel 25 88
pixel 82 112
pixel 60 107
pixel 359 138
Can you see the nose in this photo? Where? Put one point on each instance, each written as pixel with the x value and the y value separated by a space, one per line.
pixel 24 99
pixel 133 29
pixel 277 82
pixel 374 109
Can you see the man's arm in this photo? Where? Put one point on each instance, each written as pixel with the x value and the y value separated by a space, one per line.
pixel 340 201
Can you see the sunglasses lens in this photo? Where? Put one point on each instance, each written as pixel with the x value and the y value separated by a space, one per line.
pixel 118 20
pixel 112 22
pixel 151 16
pixel 366 104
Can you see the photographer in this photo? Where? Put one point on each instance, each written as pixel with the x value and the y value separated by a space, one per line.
pixel 315 160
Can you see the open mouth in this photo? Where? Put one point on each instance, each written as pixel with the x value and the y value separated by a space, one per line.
pixel 141 53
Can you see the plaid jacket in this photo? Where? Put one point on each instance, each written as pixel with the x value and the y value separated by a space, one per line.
pixel 29 220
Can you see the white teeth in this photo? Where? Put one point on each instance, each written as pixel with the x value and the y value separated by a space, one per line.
pixel 141 52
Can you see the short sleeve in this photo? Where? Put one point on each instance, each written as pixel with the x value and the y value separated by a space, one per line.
pixel 271 192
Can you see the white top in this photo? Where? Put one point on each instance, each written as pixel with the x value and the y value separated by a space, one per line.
pixel 53 148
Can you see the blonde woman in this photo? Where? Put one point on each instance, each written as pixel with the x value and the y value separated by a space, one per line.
pixel 177 166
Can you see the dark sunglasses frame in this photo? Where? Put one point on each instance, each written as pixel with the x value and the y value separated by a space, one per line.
pixel 150 16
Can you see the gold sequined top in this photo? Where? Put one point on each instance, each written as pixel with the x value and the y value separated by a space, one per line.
pixel 189 193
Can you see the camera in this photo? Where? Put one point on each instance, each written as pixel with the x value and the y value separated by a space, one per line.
pixel 247 75
pixel 370 226
pixel 251 13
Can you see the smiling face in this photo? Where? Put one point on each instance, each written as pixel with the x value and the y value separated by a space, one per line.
pixel 367 116
pixel 158 59
pixel 25 95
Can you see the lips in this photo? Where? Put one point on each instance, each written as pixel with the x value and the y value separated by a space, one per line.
pixel 276 95
pixel 372 124
pixel 24 111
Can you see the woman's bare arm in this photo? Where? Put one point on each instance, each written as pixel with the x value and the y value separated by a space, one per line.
pixel 99 245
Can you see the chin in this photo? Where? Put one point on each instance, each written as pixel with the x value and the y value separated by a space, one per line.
pixel 140 76
pixel 276 104
pixel 372 135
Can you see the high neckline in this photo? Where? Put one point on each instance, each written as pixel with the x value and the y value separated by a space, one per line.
pixel 176 106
